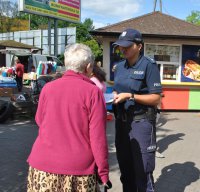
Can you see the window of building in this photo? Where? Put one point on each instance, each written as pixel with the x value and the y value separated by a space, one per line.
pixel 168 58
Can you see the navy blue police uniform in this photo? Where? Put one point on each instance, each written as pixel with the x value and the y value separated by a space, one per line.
pixel 135 124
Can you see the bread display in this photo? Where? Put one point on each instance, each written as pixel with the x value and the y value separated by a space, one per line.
pixel 192 70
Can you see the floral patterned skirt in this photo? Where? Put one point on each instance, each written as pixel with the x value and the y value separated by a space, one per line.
pixel 40 181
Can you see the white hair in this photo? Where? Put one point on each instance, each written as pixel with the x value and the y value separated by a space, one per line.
pixel 77 57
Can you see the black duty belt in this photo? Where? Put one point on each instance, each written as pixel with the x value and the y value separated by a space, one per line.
pixel 149 114
pixel 139 117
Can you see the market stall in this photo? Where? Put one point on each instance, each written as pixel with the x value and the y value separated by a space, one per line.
pixel 7 82
pixel 180 74
pixel 181 96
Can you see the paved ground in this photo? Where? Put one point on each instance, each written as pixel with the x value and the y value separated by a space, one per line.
pixel 178 140
pixel 16 139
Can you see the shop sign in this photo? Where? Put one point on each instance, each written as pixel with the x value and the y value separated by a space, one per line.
pixel 68 10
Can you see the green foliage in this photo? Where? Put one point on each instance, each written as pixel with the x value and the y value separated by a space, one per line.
pixel 89 24
pixel 96 49
pixel 194 17
pixel 83 36
pixel 82 30
pixel 36 21
pixel 8 13
pixel 62 24
pixel 40 22
pixel 23 16
pixel 81 33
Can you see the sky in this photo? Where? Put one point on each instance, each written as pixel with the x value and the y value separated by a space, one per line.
pixel 106 12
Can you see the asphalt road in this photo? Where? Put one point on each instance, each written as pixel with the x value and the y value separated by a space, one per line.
pixel 178 140
pixel 16 139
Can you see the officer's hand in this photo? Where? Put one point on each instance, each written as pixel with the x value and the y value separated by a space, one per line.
pixel 108 185
pixel 122 97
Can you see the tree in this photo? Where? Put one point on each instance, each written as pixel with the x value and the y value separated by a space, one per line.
pixel 88 23
pixel 8 8
pixel 96 49
pixel 194 17
pixel 83 36
pixel 41 22
pixel 36 21
pixel 8 11
pixel 82 30
pixel 63 24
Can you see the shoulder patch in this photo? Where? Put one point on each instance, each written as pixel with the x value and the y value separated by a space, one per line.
pixel 121 62
pixel 150 59
pixel 118 65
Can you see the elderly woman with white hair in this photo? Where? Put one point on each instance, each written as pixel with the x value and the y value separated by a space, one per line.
pixel 71 147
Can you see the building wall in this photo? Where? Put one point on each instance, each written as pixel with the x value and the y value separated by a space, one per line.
pixel 106 58
pixel 177 95
pixel 106 48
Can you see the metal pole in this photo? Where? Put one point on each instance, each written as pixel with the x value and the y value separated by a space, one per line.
pixel 49 35
pixel 161 6
pixel 29 19
pixel 155 2
pixel 55 37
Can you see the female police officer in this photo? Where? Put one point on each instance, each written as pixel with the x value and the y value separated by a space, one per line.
pixel 137 91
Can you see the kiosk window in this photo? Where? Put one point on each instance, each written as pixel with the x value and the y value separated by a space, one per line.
pixel 168 60
pixel 170 72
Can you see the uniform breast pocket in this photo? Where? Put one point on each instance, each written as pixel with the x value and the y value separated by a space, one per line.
pixel 136 81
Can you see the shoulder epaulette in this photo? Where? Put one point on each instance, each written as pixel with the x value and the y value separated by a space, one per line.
pixel 150 59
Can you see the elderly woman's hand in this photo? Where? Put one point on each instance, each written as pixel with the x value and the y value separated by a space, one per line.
pixel 108 185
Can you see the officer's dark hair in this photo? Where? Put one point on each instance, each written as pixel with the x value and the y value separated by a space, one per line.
pixel 137 42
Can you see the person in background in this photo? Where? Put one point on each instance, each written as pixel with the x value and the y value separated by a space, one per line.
pixel 99 63
pixel 10 72
pixel 19 71
pixel 98 76
pixel 137 89
pixel 30 64
pixel 71 144
pixel 33 69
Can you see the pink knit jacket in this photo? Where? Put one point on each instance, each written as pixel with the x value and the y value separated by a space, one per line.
pixel 71 116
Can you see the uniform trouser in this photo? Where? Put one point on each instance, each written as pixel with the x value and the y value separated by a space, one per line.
pixel 135 162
